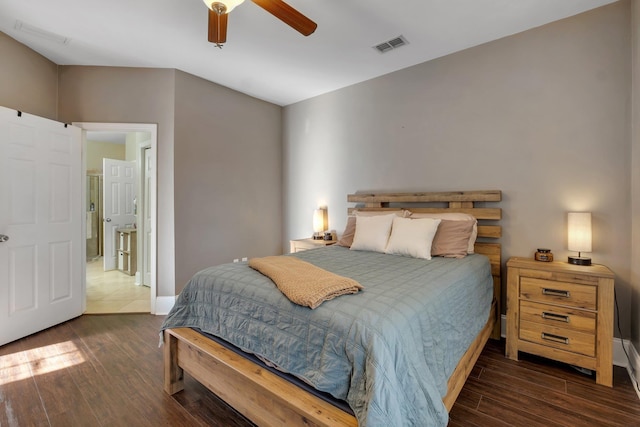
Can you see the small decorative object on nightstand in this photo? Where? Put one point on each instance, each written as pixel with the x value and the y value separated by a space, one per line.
pixel 544 255
pixel 563 312
pixel 304 244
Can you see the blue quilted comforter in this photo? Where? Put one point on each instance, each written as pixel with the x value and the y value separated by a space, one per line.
pixel 388 351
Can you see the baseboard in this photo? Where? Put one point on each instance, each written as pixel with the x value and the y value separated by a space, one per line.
pixel 619 356
pixel 164 305
pixel 634 366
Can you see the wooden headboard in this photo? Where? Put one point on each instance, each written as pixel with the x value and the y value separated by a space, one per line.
pixel 469 202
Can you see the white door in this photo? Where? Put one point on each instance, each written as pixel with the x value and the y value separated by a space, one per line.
pixel 148 174
pixel 40 217
pixel 118 204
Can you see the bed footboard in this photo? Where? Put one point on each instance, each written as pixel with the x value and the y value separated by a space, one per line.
pixel 173 373
pixel 258 394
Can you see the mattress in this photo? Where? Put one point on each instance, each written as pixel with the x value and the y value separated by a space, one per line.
pixel 387 351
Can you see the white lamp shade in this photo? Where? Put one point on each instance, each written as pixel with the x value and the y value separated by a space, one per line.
pixel 579 231
pixel 229 4
pixel 318 221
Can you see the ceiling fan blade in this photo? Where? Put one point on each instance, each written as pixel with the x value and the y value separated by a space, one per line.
pixel 217 27
pixel 288 15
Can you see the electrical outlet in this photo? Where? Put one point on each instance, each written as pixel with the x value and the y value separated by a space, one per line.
pixel 236 260
pixel 244 258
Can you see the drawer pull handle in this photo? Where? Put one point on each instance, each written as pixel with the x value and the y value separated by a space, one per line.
pixel 556 292
pixel 555 338
pixel 556 317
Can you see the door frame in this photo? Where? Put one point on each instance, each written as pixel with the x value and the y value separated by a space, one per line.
pixel 144 212
pixel 152 129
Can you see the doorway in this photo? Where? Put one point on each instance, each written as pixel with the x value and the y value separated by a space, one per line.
pixel 123 288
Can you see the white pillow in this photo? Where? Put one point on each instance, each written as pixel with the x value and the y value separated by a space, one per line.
pixel 453 216
pixel 412 237
pixel 372 232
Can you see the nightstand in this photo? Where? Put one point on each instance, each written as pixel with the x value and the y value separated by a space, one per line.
pixel 304 244
pixel 563 312
pixel 126 249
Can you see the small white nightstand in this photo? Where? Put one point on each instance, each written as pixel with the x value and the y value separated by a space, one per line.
pixel 126 250
pixel 304 244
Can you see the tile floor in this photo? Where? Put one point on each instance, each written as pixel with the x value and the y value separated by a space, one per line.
pixel 114 291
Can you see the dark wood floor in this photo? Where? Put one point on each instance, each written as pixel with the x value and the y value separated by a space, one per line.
pixel 107 371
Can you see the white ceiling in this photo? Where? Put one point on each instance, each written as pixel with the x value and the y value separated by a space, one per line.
pixel 263 57
pixel 110 137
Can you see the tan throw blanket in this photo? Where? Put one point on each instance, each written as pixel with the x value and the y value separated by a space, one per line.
pixel 304 283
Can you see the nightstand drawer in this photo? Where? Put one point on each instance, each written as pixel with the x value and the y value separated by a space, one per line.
pixel 561 317
pixel 562 293
pixel 560 338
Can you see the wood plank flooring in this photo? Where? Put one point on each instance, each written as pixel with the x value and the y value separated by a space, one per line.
pixel 106 370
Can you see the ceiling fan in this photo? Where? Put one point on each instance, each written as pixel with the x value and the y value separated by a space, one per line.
pixel 219 12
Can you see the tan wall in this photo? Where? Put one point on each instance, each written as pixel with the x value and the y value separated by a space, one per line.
pixel 96 151
pixel 29 80
pixel 228 176
pixel 635 178
pixel 131 95
pixel 218 151
pixel 542 115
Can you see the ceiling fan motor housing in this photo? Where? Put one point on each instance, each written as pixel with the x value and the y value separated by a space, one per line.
pixel 222 6
pixel 219 8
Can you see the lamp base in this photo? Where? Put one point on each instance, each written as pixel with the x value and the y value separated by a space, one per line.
pixel 579 260
pixel 318 236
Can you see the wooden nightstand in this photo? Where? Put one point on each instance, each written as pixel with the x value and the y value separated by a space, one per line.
pixel 304 244
pixel 563 312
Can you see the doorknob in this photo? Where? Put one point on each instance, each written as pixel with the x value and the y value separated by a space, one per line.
pixel 107 220
pixel 3 238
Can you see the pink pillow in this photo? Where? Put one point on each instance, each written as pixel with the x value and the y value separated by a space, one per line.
pixel 350 230
pixel 454 216
pixel 452 238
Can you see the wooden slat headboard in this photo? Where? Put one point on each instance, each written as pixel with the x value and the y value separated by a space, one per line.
pixel 469 202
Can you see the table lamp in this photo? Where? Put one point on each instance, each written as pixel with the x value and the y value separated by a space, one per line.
pixel 579 233
pixel 319 223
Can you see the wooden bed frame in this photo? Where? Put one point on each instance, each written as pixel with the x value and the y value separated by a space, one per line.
pixel 269 400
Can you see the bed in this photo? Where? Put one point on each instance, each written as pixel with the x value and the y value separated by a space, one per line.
pixel 385 381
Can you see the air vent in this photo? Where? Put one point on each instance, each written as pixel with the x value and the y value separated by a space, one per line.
pixel 391 44
pixel 39 32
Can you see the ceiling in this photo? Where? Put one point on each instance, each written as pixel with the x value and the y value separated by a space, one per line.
pixel 263 57
pixel 110 137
